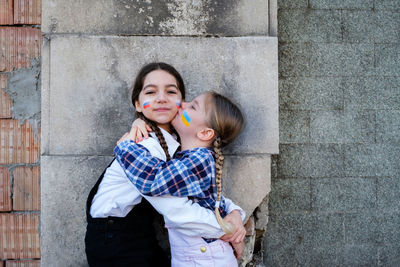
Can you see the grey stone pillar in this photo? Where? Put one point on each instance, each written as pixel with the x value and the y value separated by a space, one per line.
pixel 91 54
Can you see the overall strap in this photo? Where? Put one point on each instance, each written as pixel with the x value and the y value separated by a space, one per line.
pixel 94 191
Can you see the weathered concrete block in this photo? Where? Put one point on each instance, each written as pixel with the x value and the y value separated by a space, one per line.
pixel 387 25
pixel 247 180
pixel 320 256
pixel 361 93
pixel 371 160
pixel 309 25
pixel 294 59
pixel 172 17
pixel 285 4
pixel 288 195
pixel 338 194
pixel 63 214
pixel 357 26
pixel 389 222
pixel 295 126
pixel 387 59
pixel 371 93
pixel 388 96
pixel 340 4
pixel 359 255
pixel 310 160
pixel 388 192
pixel 341 59
pixel 96 70
pixel 388 126
pixel 327 229
pixel 362 228
pixel 387 4
pixel 389 255
pixel 337 126
pixel 305 93
pixel 359 126
pixel 326 126
pixel 371 26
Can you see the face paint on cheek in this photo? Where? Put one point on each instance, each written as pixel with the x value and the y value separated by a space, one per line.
pixel 146 104
pixel 186 119
pixel 178 105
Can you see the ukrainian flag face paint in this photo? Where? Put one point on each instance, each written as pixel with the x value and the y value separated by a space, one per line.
pixel 146 104
pixel 186 119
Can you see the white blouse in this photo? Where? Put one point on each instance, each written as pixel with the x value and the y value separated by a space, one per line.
pixel 116 196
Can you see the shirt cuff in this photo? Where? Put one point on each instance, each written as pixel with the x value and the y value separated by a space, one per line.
pixel 230 206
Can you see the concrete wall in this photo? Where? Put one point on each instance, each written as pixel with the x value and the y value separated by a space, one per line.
pixel 91 53
pixel 335 196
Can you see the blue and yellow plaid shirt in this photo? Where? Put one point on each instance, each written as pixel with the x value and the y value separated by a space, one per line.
pixel 190 174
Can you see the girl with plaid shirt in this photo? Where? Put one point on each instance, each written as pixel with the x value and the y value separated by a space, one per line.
pixel 210 120
pixel 120 222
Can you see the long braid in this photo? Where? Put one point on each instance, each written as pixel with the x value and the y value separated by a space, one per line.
pixel 219 163
pixel 158 133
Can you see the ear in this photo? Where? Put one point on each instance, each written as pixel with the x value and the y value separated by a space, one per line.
pixel 137 106
pixel 206 134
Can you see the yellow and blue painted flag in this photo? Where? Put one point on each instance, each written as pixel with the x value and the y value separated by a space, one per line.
pixel 186 119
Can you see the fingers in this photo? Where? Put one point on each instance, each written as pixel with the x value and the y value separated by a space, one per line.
pixel 123 138
pixel 240 237
pixel 139 130
pixel 235 238
pixel 133 132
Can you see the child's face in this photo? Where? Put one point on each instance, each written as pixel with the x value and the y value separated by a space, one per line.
pixel 159 98
pixel 192 117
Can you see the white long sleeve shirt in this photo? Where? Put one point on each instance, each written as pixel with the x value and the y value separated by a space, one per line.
pixel 117 196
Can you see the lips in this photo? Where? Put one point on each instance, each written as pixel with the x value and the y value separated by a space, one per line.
pixel 162 109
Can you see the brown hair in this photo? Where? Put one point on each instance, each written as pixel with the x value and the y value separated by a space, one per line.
pixel 227 121
pixel 138 86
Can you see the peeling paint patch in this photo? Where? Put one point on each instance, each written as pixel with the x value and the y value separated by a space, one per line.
pixel 189 17
pixel 23 87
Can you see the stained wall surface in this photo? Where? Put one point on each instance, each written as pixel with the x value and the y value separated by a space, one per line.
pixel 334 197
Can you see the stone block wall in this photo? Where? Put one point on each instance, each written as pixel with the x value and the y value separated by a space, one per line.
pixel 334 197
pixel 20 51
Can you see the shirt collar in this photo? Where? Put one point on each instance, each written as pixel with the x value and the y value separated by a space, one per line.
pixel 169 139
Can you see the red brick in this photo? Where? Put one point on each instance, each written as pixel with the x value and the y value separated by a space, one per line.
pixel 26 263
pixel 5 189
pixel 27 11
pixel 18 142
pixel 6 12
pixel 18 45
pixel 5 101
pixel 19 236
pixel 26 188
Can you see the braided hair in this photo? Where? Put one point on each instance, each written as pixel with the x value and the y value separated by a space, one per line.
pixel 227 121
pixel 157 132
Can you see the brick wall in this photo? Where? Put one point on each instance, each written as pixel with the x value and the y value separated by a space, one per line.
pixel 20 42
pixel 334 197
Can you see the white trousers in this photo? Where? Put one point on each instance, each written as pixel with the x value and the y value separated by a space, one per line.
pixel 194 251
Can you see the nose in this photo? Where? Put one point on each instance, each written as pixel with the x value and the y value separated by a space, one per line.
pixel 161 96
